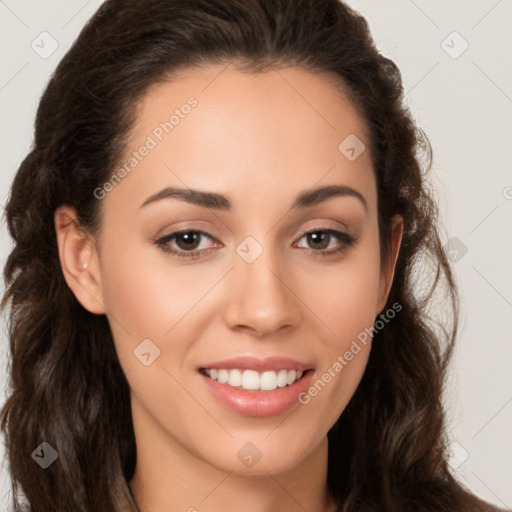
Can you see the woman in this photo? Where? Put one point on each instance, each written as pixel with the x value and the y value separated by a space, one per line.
pixel 212 290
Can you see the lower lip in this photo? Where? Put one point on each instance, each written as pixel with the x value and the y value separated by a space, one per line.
pixel 258 403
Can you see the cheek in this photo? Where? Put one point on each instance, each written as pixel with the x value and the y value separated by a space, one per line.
pixel 346 303
pixel 344 295
pixel 146 299
pixel 145 292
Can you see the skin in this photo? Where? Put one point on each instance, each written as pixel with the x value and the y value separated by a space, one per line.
pixel 259 139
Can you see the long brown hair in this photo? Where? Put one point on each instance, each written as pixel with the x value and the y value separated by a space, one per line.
pixel 387 449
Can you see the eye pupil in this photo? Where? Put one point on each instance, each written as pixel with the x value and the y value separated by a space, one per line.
pixel 190 238
pixel 319 237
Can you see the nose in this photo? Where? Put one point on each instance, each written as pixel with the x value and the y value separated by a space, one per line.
pixel 262 299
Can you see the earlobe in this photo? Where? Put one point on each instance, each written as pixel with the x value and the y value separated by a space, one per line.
pixel 78 259
pixel 389 264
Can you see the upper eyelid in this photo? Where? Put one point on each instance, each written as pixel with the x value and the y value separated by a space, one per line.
pixel 187 230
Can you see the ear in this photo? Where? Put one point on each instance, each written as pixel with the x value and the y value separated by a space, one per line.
pixel 78 259
pixel 389 261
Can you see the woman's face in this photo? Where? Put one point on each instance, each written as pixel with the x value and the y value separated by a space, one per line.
pixel 254 297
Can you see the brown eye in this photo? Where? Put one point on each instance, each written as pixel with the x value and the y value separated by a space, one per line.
pixel 188 240
pixel 319 240
pixel 185 243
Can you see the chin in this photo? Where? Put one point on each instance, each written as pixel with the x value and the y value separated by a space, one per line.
pixel 258 456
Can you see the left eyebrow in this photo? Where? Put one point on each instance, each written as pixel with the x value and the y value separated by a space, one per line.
pixel 318 195
pixel 219 202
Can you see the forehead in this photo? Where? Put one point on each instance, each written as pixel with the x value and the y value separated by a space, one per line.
pixel 272 99
pixel 218 128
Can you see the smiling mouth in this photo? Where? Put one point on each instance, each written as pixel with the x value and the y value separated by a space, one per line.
pixel 251 380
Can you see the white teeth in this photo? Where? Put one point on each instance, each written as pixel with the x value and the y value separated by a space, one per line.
pixel 235 378
pixel 252 380
pixel 268 381
pixel 282 378
pixel 223 376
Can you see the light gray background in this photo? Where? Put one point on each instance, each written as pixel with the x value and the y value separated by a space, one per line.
pixel 463 102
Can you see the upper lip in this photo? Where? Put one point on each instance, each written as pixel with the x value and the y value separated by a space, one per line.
pixel 259 364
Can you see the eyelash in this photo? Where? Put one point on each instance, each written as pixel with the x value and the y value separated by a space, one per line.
pixel 348 241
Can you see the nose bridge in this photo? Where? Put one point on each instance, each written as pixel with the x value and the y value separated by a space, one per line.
pixel 260 297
